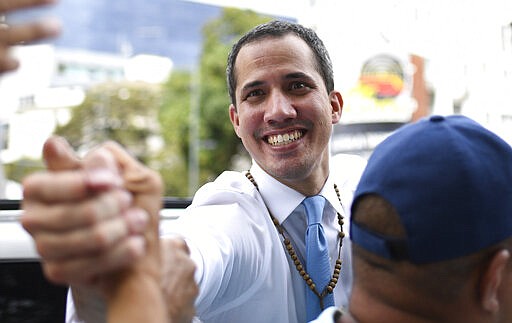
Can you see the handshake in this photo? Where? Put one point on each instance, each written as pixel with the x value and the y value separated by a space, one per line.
pixel 95 224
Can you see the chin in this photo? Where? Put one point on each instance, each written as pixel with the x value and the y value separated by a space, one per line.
pixel 289 172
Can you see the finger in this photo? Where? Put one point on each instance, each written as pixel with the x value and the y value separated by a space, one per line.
pixel 98 239
pixel 100 158
pixel 30 32
pixel 54 187
pixel 9 5
pixel 69 216
pixel 174 242
pixel 138 178
pixel 144 183
pixel 58 154
pixel 85 270
pixel 179 286
pixel 7 63
pixel 66 186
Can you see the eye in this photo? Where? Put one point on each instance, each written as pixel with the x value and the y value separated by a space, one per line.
pixel 300 87
pixel 297 85
pixel 254 94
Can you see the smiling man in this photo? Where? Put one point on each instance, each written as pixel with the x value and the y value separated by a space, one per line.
pixel 252 234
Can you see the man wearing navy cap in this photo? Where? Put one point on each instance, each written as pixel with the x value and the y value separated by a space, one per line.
pixel 432 227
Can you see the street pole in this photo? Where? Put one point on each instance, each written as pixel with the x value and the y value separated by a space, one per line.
pixel 193 159
pixel 2 172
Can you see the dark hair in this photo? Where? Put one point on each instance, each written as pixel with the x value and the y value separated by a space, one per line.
pixel 442 281
pixel 277 28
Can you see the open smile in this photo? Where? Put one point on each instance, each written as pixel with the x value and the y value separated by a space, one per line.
pixel 284 139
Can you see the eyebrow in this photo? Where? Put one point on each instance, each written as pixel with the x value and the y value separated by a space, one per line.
pixel 297 75
pixel 290 76
pixel 251 85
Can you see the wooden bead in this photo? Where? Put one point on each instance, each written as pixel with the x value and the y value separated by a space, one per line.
pixel 289 247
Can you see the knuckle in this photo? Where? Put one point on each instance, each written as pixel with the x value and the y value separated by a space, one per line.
pixel 27 222
pixel 43 247
pixel 30 185
pixel 89 216
pixel 194 289
pixel 57 216
pixel 54 273
pixel 100 238
pixel 179 243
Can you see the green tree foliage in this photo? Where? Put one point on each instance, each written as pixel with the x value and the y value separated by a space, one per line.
pixel 20 168
pixel 219 37
pixel 219 146
pixel 173 118
pixel 123 112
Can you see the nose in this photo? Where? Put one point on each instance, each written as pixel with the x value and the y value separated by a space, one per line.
pixel 279 108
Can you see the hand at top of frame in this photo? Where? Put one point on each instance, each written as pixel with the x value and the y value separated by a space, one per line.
pixel 11 35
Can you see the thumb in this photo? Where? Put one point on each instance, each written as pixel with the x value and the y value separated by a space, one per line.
pixel 58 155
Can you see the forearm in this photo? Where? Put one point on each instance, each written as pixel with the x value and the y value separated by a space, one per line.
pixel 134 296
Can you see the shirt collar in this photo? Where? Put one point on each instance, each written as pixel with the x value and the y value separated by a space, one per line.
pixel 281 200
pixel 330 194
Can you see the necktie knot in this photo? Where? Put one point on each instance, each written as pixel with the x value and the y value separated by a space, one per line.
pixel 314 208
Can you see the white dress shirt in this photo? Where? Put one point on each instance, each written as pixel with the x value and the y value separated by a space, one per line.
pixel 243 271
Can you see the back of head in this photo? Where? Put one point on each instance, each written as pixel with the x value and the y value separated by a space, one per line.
pixel 434 202
pixel 278 28
pixel 449 179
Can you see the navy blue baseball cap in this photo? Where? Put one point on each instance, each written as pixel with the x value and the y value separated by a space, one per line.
pixel 450 180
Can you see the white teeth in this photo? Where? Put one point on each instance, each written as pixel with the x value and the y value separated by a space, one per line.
pixel 278 140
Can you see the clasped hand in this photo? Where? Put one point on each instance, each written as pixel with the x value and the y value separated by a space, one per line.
pixel 92 216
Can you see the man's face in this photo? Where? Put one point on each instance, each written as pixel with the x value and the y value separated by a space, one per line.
pixel 284 114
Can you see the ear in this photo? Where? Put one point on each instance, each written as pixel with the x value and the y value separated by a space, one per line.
pixel 233 116
pixel 492 279
pixel 337 105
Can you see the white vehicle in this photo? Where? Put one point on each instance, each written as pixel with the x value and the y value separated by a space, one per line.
pixel 25 295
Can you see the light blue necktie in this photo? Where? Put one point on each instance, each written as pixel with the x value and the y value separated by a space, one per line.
pixel 317 257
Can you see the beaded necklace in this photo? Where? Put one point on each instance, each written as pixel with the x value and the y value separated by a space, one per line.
pixel 329 288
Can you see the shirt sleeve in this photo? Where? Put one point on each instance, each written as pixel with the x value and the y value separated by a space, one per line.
pixel 228 237
pixel 84 305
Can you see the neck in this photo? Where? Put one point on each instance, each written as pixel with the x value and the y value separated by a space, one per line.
pixel 369 307
pixel 308 186
pixel 308 181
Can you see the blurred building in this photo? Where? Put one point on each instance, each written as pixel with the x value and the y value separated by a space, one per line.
pixel 394 61
pixel 102 41
pixel 454 57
